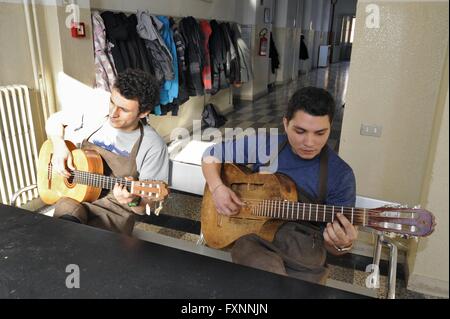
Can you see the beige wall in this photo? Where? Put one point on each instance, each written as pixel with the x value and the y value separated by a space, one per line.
pixel 286 45
pixel 222 10
pixel 286 32
pixel 17 64
pixel 77 53
pixel 15 50
pixel 250 12
pixel 261 64
pixel 314 23
pixel 59 52
pixel 395 81
pixel 424 276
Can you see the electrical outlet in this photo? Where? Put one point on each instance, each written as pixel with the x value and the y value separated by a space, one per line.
pixel 371 130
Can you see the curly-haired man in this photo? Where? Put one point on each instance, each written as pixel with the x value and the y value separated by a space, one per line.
pixel 129 148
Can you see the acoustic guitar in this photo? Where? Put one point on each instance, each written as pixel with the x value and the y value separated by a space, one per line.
pixel 87 180
pixel 271 199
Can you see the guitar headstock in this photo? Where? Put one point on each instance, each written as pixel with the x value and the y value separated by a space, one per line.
pixel 153 190
pixel 410 222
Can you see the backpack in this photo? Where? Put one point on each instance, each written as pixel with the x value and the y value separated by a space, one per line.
pixel 212 118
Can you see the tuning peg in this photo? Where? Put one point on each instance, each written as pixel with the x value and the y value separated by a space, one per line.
pixel 158 210
pixel 416 239
pixel 392 206
pixel 417 207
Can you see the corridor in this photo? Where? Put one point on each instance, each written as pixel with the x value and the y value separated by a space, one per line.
pixel 268 111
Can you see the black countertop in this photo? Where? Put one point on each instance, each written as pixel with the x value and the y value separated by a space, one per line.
pixel 35 251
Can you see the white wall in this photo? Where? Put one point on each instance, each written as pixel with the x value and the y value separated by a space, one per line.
pixel 287 30
pixel 315 21
pixel 246 11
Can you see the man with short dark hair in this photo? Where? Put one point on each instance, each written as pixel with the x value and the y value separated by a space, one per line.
pixel 322 177
pixel 128 146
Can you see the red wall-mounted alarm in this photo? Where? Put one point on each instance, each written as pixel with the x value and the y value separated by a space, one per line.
pixel 78 30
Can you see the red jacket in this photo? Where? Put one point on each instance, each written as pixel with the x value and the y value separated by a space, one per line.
pixel 206 72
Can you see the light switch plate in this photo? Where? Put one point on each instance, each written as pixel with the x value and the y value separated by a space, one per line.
pixel 371 130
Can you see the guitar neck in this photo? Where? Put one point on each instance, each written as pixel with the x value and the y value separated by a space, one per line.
pixel 99 181
pixel 287 210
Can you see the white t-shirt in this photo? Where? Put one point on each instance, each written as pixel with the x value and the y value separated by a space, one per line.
pixel 152 160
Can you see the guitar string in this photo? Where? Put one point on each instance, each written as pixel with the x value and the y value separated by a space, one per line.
pixel 96 178
pixel 102 181
pixel 285 204
pixel 87 176
pixel 108 181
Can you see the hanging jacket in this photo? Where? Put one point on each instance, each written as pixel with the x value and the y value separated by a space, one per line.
pixel 274 56
pixel 206 72
pixel 148 29
pixel 140 57
pixel 183 95
pixel 105 73
pixel 128 49
pixel 218 51
pixel 232 55
pixel 193 37
pixel 116 34
pixel 245 62
pixel 227 65
pixel 169 92
pixel 303 49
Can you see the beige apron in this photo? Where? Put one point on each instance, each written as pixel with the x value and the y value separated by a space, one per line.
pixel 105 212
pixel 297 249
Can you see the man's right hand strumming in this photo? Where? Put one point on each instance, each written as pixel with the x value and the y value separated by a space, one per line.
pixel 62 157
pixel 226 201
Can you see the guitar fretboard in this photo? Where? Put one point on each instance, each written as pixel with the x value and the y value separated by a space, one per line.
pixel 287 210
pixel 99 181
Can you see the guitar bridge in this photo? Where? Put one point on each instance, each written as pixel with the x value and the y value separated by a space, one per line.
pixel 50 172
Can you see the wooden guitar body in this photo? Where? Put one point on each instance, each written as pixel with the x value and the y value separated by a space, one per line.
pixel 220 231
pixel 53 186
pixel 271 199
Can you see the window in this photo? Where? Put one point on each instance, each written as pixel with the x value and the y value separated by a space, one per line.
pixel 348 29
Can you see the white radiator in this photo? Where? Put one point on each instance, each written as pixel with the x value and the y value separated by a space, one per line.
pixel 18 149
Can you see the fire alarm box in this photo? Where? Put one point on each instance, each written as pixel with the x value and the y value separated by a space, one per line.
pixel 78 30
pixel 263 43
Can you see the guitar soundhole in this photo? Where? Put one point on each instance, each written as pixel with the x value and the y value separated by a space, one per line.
pixel 70 179
pixel 69 182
